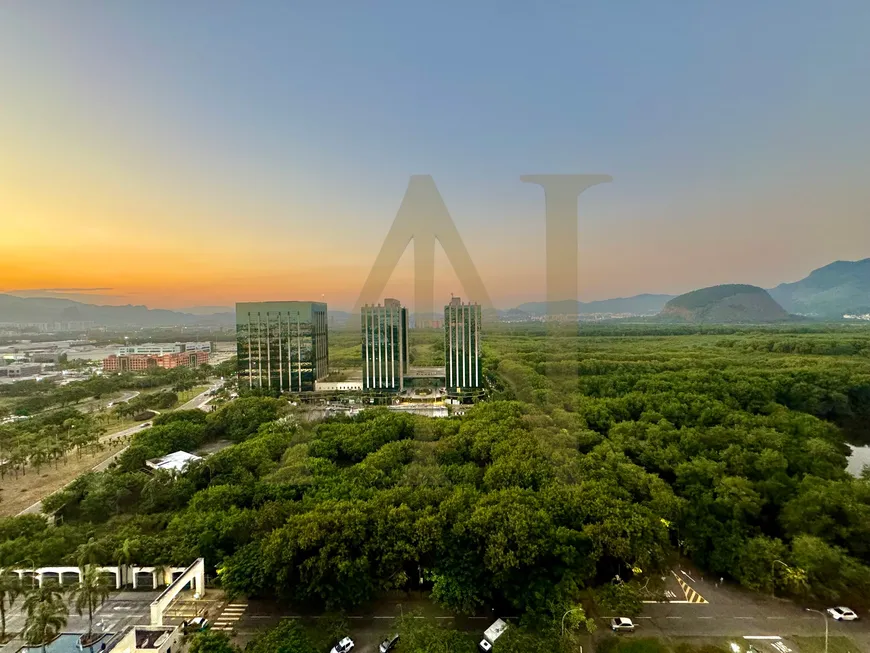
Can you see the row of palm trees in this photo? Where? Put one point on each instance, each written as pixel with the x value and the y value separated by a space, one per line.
pixel 21 447
pixel 46 607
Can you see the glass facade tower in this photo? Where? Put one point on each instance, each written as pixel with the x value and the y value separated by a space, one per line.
pixel 462 344
pixel 385 345
pixel 281 345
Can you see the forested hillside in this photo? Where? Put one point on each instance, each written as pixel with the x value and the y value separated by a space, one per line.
pixel 724 304
pixel 597 456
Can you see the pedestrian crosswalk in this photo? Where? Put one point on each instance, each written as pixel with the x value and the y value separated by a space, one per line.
pixel 229 616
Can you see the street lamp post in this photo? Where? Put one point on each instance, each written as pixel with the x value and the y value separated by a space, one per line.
pixel 565 615
pixel 32 571
pixel 825 617
pixel 773 578
pixel 563 622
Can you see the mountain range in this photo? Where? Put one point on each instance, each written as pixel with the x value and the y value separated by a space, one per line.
pixel 838 288
pixel 19 310
pixel 828 292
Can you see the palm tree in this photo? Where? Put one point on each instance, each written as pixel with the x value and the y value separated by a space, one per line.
pixel 89 553
pixel 46 615
pixel 124 554
pixel 90 593
pixel 10 588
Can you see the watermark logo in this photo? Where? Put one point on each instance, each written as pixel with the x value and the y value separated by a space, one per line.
pixel 423 218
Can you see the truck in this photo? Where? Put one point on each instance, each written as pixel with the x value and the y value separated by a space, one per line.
pixel 491 634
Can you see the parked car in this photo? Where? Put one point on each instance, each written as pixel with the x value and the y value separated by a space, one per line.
pixel 145 425
pixel 842 614
pixel 619 624
pixel 344 646
pixel 388 643
pixel 195 625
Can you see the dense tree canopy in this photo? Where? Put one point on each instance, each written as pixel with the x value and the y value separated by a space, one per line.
pixel 596 457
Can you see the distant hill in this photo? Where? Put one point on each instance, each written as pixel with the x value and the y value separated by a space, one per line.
pixel 43 309
pixel 645 304
pixel 724 304
pixel 832 291
pixel 207 310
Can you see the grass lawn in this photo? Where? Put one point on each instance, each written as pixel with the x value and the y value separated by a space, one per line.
pixel 22 491
pixel 817 645
pixel 187 395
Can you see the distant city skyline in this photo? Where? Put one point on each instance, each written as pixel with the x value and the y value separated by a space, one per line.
pixel 163 155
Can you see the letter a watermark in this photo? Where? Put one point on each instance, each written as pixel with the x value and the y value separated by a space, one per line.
pixel 423 218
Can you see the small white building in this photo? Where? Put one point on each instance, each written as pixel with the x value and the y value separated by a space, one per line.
pixel 176 461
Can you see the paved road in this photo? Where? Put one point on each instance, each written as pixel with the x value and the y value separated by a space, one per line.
pixel 127 396
pixel 202 399
pixel 700 609
pixel 729 611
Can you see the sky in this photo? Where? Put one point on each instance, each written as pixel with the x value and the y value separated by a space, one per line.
pixel 207 152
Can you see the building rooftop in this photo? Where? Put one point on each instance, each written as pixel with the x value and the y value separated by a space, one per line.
pixel 152 637
pixel 175 461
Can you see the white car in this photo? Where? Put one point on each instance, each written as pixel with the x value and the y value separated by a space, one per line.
pixel 842 614
pixel 622 624
pixel 343 646
pixel 388 644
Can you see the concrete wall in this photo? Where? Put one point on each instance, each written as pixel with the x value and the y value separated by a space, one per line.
pixel 194 574
pixel 127 575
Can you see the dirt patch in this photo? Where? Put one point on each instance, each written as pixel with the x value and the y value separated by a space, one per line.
pixel 17 494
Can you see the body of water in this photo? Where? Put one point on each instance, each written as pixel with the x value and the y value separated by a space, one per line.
pixel 68 643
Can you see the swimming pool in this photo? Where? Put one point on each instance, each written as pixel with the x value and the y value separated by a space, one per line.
pixel 68 643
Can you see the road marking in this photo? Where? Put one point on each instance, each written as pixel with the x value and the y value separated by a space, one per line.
pixel 705 617
pixel 744 617
pixel 691 595
pixel 762 637
pixel 686 574
pixel 776 617
pixel 673 617
pixel 681 601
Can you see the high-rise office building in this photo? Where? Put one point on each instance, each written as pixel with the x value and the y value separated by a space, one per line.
pixel 281 345
pixel 385 345
pixel 462 344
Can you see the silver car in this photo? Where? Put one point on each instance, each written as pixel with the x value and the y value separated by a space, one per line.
pixel 622 624
pixel 388 644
